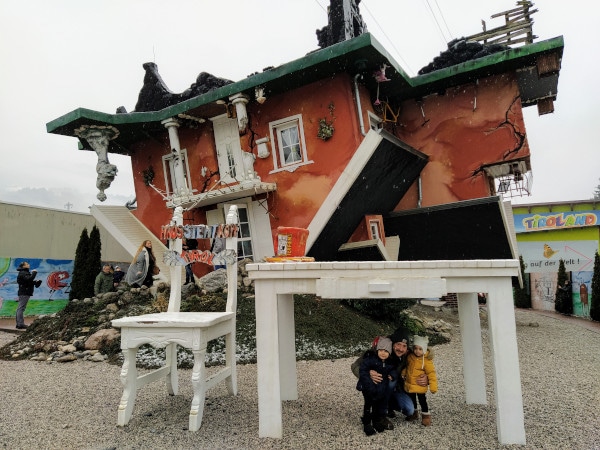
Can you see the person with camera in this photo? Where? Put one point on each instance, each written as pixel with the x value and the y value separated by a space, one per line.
pixel 26 281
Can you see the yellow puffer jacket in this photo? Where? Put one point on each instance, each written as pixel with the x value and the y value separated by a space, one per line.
pixel 416 366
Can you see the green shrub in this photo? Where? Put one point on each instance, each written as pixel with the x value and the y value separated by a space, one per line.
pixel 521 295
pixel 563 301
pixel 381 309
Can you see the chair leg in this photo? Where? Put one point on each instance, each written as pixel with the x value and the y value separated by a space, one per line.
pixel 171 361
pixel 231 380
pixel 199 388
pixel 129 381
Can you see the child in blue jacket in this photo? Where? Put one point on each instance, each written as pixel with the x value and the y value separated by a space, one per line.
pixel 376 395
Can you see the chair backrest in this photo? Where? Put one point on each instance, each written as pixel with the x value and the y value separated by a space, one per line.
pixel 231 243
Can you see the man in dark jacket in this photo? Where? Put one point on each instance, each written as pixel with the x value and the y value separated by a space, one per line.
pixel 26 282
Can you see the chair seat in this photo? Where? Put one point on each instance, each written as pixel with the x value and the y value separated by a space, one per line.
pixel 174 320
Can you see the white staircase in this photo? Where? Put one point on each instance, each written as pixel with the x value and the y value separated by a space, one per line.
pixel 129 232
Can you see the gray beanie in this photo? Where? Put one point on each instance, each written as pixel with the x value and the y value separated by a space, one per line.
pixel 384 344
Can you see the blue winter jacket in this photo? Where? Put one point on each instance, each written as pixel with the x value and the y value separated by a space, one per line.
pixel 386 368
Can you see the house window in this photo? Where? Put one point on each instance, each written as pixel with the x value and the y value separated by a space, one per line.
pixel 374 226
pixel 175 182
pixel 244 248
pixel 288 138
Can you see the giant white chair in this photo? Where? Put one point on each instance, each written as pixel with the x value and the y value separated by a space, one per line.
pixel 191 330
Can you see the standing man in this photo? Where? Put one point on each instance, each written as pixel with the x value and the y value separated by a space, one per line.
pixel 26 283
pixel 104 281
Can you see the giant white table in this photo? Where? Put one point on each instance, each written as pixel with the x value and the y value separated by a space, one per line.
pixel 276 283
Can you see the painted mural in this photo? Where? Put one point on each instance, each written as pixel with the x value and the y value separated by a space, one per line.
pixel 543 290
pixel 543 256
pixel 582 293
pixel 50 297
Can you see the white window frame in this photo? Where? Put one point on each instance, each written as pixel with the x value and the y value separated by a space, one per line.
pixel 375 122
pixel 169 172
pixel 248 207
pixel 375 227
pixel 275 130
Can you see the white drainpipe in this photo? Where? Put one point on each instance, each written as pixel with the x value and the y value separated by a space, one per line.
pixel 358 105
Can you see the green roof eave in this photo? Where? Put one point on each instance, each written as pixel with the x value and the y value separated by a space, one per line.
pixel 506 61
pixel 362 55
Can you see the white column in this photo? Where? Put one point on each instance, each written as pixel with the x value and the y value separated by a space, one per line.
pixel 181 187
pixel 470 335
pixel 505 359
pixel 240 101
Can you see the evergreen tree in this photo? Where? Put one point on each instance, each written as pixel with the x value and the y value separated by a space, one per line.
pixel 597 193
pixel 94 261
pixel 78 278
pixel 522 297
pixel 595 304
pixel 563 301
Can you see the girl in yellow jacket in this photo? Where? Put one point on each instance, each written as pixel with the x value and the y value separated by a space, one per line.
pixel 418 363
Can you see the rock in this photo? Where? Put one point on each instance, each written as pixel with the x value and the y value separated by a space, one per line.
pixel 214 281
pixel 112 307
pixel 534 324
pixel 98 357
pixel 66 358
pixel 102 337
pixel 70 348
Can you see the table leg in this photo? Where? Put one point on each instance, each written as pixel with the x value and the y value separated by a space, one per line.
pixel 267 353
pixel 287 347
pixel 470 334
pixel 129 381
pixel 505 358
pixel 199 388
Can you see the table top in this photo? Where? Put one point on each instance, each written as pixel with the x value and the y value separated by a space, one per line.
pixel 438 268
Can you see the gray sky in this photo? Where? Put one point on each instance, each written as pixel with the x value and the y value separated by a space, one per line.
pixel 63 54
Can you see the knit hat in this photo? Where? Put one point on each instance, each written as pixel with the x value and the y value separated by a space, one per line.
pixel 422 342
pixel 400 335
pixel 384 344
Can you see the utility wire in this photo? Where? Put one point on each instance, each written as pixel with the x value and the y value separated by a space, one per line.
pixel 437 23
pixel 405 63
pixel 444 19
pixel 322 7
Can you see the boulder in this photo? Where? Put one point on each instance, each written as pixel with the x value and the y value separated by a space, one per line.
pixel 101 338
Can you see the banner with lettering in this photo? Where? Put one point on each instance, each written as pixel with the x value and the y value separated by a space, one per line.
pixel 555 221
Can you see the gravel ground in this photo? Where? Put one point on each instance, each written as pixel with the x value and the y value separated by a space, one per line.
pixel 74 405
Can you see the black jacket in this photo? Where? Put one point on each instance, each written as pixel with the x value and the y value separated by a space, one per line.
pixel 25 279
pixel 372 362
